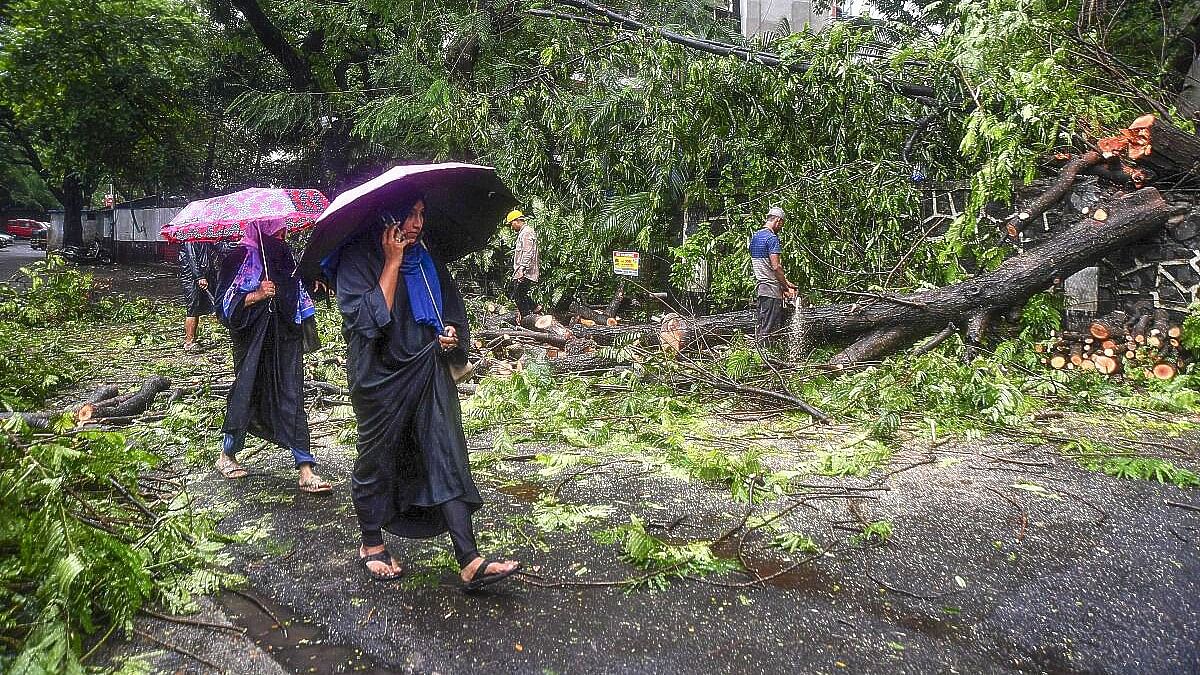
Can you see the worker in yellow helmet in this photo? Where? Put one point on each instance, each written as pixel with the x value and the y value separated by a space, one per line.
pixel 525 263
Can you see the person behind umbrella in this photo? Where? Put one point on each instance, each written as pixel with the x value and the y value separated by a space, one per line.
pixel 405 325
pixel 772 285
pixel 261 302
pixel 197 271
pixel 525 263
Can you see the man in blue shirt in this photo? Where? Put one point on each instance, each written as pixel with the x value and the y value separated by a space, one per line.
pixel 772 284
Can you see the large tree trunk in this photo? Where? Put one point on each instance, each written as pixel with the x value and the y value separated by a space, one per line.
pixel 72 199
pixel 880 326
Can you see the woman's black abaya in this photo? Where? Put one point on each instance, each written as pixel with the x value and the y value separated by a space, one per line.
pixel 412 453
pixel 267 397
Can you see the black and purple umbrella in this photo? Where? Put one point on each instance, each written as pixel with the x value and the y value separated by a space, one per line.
pixel 464 204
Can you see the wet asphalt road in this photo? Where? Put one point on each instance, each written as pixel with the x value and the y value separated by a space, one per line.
pixel 1021 564
pixel 1005 558
pixel 15 256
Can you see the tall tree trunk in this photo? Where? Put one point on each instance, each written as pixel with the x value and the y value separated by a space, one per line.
pixel 72 201
pixel 1189 96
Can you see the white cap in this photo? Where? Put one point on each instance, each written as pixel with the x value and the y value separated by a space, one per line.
pixel 776 212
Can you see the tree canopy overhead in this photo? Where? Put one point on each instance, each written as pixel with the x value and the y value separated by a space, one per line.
pixel 611 120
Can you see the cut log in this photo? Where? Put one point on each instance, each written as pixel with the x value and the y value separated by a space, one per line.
pixel 1162 323
pixel 586 313
pixel 1140 326
pixel 547 323
pixel 584 364
pixel 1164 371
pixel 1172 152
pixel 518 334
pixel 1106 365
pixel 1076 354
pixel 134 404
pixel 1109 326
pixel 619 300
pixel 1058 361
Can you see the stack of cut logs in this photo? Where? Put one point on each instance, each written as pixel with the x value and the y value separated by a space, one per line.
pixel 1118 343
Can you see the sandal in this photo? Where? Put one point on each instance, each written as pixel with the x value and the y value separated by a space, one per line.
pixel 230 469
pixel 481 579
pixel 315 485
pixel 384 557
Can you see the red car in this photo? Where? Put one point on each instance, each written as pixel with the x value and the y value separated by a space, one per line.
pixel 24 227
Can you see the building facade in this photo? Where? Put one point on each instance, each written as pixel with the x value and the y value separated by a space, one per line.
pixel 761 17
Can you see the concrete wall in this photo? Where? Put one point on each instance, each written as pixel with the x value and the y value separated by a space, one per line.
pixel 140 224
pixel 91 229
pixel 765 16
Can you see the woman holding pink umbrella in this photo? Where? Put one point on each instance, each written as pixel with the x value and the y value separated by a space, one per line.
pixel 259 298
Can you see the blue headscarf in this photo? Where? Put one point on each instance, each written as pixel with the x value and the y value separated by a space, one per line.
pixel 424 287
pixel 420 278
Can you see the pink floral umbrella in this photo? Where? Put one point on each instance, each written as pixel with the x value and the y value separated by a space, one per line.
pixel 227 217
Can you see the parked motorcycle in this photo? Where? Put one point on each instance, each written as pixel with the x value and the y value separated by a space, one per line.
pixel 88 254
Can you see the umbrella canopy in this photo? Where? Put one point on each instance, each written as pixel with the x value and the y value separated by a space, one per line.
pixel 228 216
pixel 464 203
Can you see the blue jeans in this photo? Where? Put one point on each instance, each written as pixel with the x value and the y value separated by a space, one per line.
pixel 232 444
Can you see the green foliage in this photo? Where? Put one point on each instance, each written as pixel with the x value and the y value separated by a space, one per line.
pixel 741 359
pixel 794 542
pixel 1189 336
pixel 40 322
pixel 949 394
pixel 84 548
pixel 550 515
pixel 1098 456
pixel 53 292
pixel 663 561
pixel 878 532
pixel 102 88
pixel 1041 314
pixel 33 366
pixel 858 457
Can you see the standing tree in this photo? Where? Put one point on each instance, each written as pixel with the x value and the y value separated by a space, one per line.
pixel 99 89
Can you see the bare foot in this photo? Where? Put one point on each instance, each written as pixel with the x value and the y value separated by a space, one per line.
pixel 506 566
pixel 311 482
pixel 229 468
pixel 380 569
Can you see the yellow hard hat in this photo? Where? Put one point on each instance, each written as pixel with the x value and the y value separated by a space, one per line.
pixel 513 215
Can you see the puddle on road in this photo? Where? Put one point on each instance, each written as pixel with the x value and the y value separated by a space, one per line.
pixel 524 491
pixel 806 577
pixel 298 646
pixel 924 623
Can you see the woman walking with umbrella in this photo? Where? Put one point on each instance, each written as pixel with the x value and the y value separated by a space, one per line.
pixel 260 300
pixel 405 325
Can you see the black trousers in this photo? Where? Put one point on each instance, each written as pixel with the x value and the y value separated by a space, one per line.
pixel 770 317
pixel 457 514
pixel 520 293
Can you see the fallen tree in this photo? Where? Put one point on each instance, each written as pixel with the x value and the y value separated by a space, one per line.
pixel 104 403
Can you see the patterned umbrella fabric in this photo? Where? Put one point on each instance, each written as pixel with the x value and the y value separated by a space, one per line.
pixel 227 216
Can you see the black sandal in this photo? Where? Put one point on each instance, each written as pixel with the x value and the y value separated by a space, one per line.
pixel 481 580
pixel 384 557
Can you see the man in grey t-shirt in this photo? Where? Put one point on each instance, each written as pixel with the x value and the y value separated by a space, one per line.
pixel 772 284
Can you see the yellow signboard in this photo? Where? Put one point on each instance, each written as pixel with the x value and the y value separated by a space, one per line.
pixel 626 263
